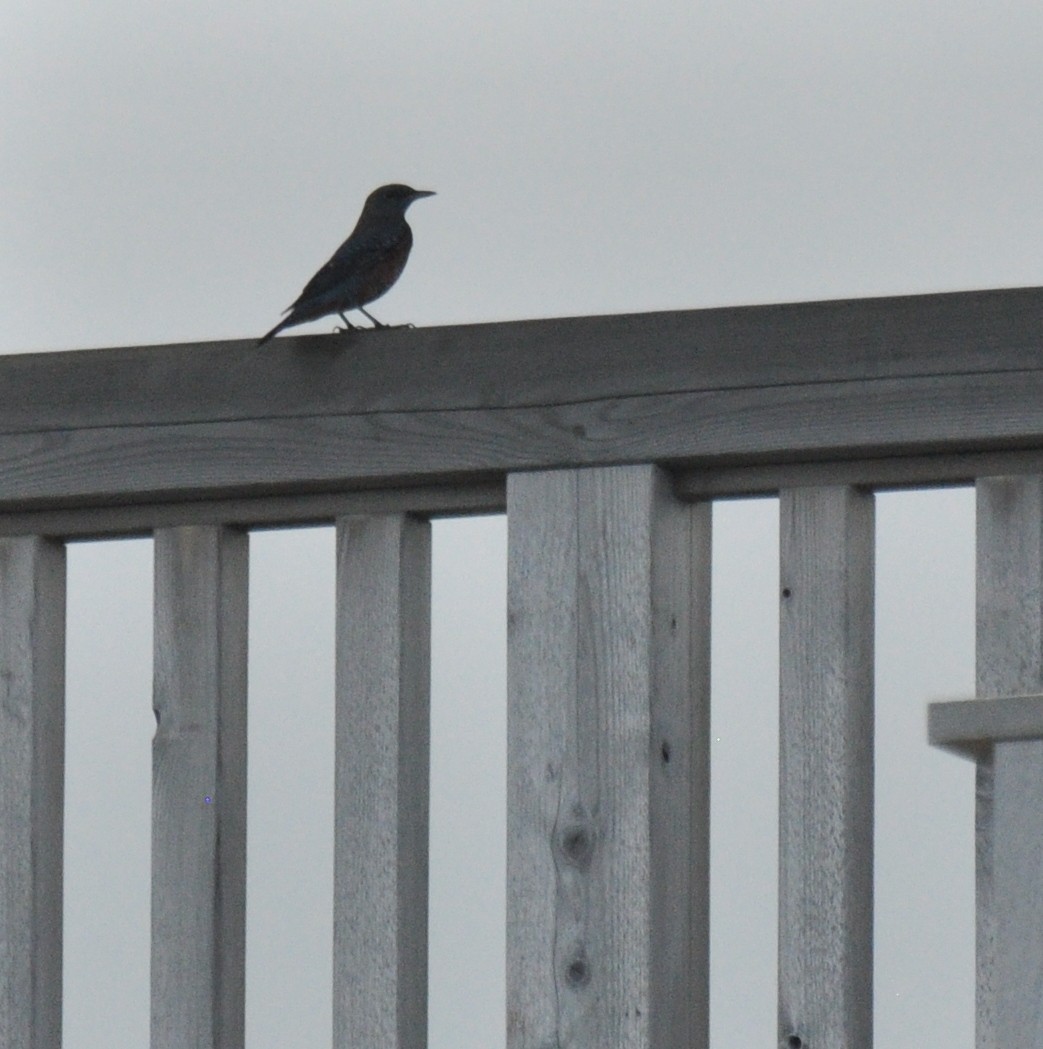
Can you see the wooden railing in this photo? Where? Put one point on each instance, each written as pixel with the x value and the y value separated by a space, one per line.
pixel 604 439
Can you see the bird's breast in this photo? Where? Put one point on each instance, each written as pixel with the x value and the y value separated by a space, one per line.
pixel 385 270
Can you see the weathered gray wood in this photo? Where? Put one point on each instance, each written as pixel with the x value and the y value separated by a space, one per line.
pixel 952 469
pixel 529 363
pixel 199 788
pixel 478 497
pixel 32 752
pixel 1009 818
pixel 828 420
pixel 382 761
pixel 970 727
pixel 489 496
pixel 608 792
pixel 753 385
pixel 826 769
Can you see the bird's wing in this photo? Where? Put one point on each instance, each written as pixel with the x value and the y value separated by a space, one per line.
pixel 353 261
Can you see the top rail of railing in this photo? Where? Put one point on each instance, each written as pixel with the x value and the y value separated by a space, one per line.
pixel 909 390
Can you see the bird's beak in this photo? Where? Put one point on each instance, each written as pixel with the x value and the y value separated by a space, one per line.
pixel 418 193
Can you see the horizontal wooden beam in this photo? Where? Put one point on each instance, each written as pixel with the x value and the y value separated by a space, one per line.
pixel 277 511
pixel 882 474
pixel 699 392
pixel 970 727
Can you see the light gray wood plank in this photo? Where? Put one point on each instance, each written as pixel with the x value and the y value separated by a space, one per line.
pixel 1016 870
pixel 893 473
pixel 739 387
pixel 608 723
pixel 484 497
pixel 32 755
pixel 815 421
pixel 479 497
pixel 382 782
pixel 199 788
pixel 530 363
pixel 970 727
pixel 1009 816
pixel 826 768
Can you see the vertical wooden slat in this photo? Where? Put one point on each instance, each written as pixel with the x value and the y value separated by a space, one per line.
pixel 32 754
pixel 382 762
pixel 608 791
pixel 1009 816
pixel 199 788
pixel 826 769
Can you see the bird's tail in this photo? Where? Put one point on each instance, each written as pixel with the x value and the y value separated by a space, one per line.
pixel 275 331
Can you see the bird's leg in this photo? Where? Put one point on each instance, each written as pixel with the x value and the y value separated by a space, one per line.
pixel 376 323
pixel 348 326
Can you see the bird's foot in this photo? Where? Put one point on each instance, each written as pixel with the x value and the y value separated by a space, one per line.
pixel 380 326
pixel 377 325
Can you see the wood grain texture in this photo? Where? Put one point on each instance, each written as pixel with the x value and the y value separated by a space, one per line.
pixel 199 788
pixel 1009 815
pixel 755 385
pixel 608 790
pixel 32 751
pixel 529 363
pixel 382 782
pixel 826 769
pixel 890 473
pixel 141 519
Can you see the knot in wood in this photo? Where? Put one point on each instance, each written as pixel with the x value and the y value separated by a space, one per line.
pixel 576 844
pixel 577 969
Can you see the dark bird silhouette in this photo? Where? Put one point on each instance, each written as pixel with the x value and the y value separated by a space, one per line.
pixel 364 266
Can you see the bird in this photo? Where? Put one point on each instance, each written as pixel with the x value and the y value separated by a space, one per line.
pixel 365 266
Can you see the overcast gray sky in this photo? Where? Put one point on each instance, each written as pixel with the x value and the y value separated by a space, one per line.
pixel 175 172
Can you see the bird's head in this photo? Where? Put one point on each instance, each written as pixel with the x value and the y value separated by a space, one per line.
pixel 394 199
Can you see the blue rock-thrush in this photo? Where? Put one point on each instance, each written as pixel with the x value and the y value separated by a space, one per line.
pixel 364 266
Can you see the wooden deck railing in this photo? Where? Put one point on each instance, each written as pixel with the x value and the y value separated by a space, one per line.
pixel 604 439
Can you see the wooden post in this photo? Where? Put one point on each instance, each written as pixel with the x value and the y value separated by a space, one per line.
pixel 608 792
pixel 199 788
pixel 1009 817
pixel 1005 737
pixel 382 761
pixel 32 754
pixel 826 769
